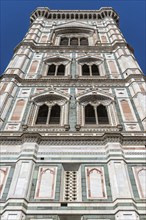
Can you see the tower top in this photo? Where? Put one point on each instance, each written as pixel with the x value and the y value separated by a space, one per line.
pixel 74 14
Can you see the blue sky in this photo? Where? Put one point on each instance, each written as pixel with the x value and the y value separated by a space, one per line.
pixel 15 22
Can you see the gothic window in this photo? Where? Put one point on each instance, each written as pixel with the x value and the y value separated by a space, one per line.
pixel 51 70
pixel 83 41
pixel 48 115
pixel 90 70
pixel 85 70
pixel 102 115
pixel 74 41
pixel 64 41
pixel 42 115
pixel 61 70
pixel 90 115
pixel 95 70
pixel 56 70
pixel 96 115
pixel 55 115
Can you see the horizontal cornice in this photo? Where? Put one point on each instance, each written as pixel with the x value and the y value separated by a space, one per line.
pixel 82 81
pixel 73 138
pixel 74 14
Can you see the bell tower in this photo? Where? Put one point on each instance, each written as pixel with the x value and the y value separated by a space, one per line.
pixel 73 121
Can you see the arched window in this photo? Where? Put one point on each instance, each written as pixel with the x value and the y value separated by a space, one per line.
pixel 48 115
pixel 64 41
pixel 42 115
pixel 95 70
pixel 61 70
pixel 97 115
pixel 102 115
pixel 55 115
pixel 85 70
pixel 83 41
pixel 74 41
pixel 51 70
pixel 90 115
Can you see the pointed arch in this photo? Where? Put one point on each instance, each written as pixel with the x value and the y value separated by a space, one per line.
pixel 83 41
pixel 95 70
pixel 74 41
pixel 90 114
pixel 64 41
pixel 85 70
pixel 102 114
pixel 42 115
pixel 55 114
pixel 51 70
pixel 61 70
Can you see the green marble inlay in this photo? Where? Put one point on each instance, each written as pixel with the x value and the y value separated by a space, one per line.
pixel 72 110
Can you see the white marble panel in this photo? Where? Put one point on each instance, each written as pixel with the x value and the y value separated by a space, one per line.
pixel 119 180
pixel 95 182
pixel 46 183
pixel 21 179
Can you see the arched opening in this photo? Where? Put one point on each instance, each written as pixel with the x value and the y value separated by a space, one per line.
pixel 94 16
pixel 54 15
pixel 81 16
pixel 64 41
pixel 85 16
pixel 51 70
pixel 95 70
pixel 72 16
pixel 74 41
pixel 90 114
pixel 85 70
pixel 55 115
pixel 42 115
pixel 61 70
pixel 102 115
pixel 83 41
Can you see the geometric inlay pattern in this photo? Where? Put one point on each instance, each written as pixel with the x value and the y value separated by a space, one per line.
pixel 70 193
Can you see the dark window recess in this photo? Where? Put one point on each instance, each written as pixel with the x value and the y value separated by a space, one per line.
pixel 85 70
pixel 64 204
pixel 51 70
pixel 42 115
pixel 90 115
pixel 74 41
pixel 83 41
pixel 102 115
pixel 55 115
pixel 64 41
pixel 95 70
pixel 61 70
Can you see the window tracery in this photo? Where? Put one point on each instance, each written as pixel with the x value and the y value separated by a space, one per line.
pixel 96 115
pixel 95 108
pixel 49 108
pixel 74 41
pixel 91 66
pixel 90 70
pixel 56 70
